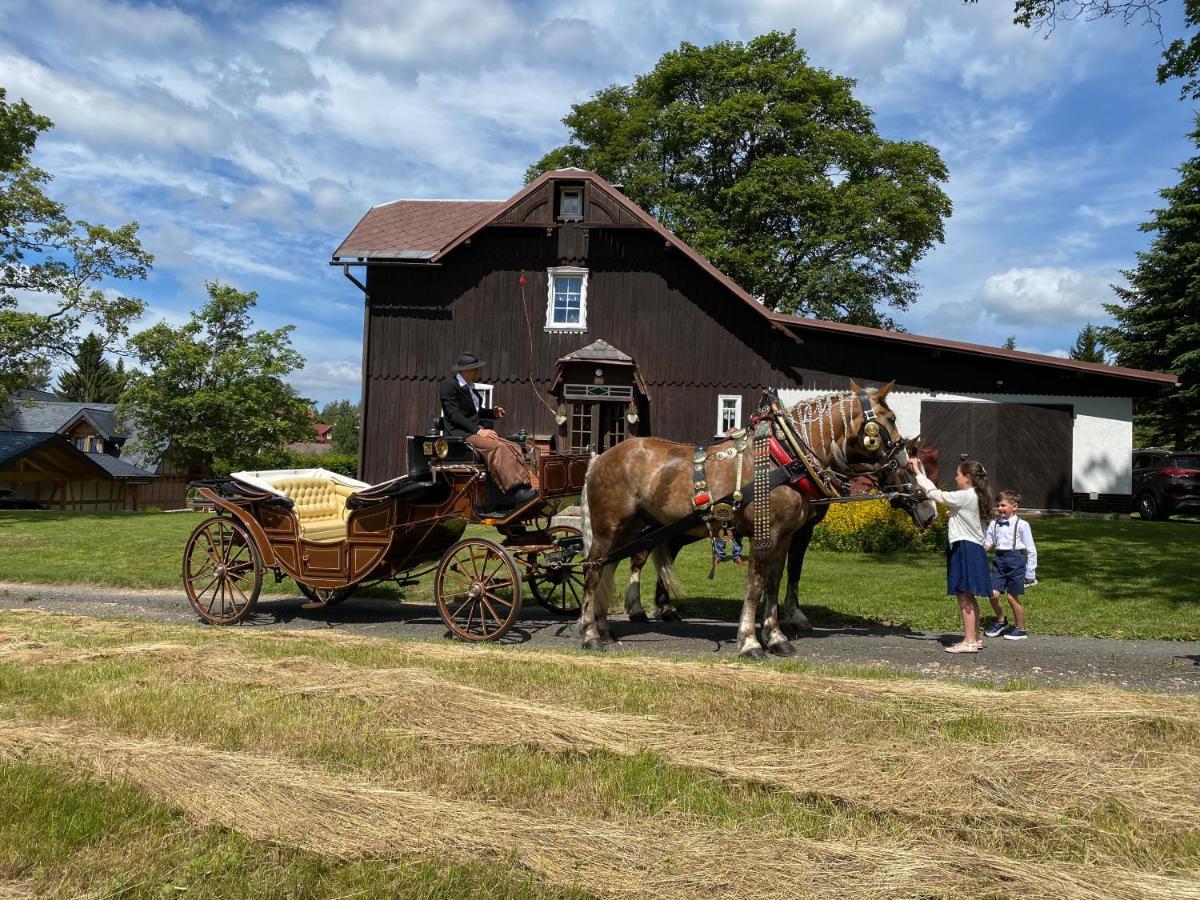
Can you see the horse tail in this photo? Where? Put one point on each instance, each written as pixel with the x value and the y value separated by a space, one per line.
pixel 587 512
pixel 666 572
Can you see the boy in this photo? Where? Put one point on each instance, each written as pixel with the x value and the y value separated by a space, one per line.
pixel 1013 566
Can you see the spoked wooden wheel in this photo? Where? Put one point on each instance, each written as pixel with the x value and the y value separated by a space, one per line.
pixel 325 596
pixel 222 571
pixel 478 590
pixel 556 576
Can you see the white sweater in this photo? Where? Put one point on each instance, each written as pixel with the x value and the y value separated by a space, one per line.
pixel 964 510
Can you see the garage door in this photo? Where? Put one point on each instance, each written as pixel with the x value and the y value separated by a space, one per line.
pixel 1023 447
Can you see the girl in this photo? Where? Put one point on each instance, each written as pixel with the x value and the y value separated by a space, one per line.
pixel 967 574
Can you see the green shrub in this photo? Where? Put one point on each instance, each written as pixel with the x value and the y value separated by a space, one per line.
pixel 874 527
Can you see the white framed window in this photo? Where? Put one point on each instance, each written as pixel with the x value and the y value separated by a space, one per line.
pixel 729 412
pixel 485 395
pixel 570 204
pixel 566 301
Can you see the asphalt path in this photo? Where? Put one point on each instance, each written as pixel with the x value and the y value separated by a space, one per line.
pixel 1172 666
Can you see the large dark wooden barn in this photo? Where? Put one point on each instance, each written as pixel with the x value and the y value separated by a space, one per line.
pixel 589 311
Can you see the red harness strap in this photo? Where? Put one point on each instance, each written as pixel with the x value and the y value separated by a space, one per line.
pixel 803 484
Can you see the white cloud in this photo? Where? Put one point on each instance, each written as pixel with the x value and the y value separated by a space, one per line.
pixel 329 379
pixel 1044 296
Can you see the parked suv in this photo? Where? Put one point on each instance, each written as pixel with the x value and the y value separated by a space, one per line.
pixel 1166 482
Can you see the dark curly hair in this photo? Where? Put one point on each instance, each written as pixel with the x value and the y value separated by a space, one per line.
pixel 974 470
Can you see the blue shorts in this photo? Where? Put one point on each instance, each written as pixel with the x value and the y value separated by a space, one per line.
pixel 1008 572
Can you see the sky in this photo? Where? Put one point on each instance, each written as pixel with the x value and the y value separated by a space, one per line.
pixel 247 138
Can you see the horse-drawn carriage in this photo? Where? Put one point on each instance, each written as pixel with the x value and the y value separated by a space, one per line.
pixel 333 534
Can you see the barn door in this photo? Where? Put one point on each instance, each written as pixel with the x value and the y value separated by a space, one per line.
pixel 1023 447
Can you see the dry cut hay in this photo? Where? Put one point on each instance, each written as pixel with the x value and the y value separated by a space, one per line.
pixel 273 799
pixel 1017 784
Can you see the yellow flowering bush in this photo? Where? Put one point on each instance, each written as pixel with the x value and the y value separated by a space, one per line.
pixel 874 527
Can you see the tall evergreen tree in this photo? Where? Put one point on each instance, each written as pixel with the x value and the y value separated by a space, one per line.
pixel 1158 318
pixel 1088 346
pixel 1010 343
pixel 93 379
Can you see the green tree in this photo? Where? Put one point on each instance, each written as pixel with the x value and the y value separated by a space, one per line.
pixel 1088 345
pixel 212 391
pixel 93 379
pixel 1010 343
pixel 343 416
pixel 45 252
pixel 1158 317
pixel 773 170
pixel 1181 57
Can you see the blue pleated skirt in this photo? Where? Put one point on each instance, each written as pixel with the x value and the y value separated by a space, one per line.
pixel 967 570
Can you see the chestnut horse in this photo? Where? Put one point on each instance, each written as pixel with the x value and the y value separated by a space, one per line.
pixel 644 482
pixel 792 619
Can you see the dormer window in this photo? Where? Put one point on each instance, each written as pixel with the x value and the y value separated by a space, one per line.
pixel 566 303
pixel 570 204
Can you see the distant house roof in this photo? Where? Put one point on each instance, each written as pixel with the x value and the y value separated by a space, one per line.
pixel 119 468
pixel 59 415
pixel 322 429
pixel 53 453
pixel 35 394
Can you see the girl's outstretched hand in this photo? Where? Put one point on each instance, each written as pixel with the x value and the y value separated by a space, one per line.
pixel 914 465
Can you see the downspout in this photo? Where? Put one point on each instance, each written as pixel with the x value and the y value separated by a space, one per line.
pixel 362 409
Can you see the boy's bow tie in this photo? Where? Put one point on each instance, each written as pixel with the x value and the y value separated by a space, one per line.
pixel 1001 522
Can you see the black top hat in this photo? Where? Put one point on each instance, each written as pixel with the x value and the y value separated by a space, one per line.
pixel 467 361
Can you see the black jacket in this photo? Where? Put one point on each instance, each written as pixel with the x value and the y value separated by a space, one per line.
pixel 458 410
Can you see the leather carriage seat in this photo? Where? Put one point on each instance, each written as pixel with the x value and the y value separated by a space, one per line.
pixel 318 499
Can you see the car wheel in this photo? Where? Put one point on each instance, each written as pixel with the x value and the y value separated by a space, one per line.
pixel 1147 507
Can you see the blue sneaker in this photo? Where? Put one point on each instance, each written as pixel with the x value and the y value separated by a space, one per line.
pixel 997 628
pixel 1016 634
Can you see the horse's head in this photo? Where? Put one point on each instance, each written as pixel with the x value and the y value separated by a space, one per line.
pixel 910 497
pixel 873 438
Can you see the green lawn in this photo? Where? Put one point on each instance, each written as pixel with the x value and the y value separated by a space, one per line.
pixel 1098 578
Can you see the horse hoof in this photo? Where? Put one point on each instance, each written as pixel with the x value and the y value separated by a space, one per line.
pixel 595 644
pixel 639 616
pixel 783 649
pixel 755 653
pixel 670 616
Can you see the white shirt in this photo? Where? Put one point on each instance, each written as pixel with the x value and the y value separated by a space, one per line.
pixel 470 389
pixel 964 510
pixel 1015 534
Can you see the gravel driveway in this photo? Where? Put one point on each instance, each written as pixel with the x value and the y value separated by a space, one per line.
pixel 1149 665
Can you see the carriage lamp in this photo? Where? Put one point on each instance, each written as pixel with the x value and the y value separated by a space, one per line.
pixel 560 415
pixel 441 448
pixel 631 415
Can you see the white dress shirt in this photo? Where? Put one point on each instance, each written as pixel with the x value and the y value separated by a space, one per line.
pixel 964 510
pixel 1013 533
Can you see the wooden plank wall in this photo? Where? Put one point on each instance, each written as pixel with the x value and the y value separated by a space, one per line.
pixel 691 338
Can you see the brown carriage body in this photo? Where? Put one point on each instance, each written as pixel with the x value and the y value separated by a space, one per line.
pixel 391 530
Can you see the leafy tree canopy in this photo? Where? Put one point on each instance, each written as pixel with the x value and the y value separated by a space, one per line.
pixel 343 416
pixel 45 252
pixel 212 390
pixel 1158 317
pixel 773 170
pixel 93 379
pixel 1088 345
pixel 1181 57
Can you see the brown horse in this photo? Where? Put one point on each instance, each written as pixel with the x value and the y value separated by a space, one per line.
pixel 792 619
pixel 644 482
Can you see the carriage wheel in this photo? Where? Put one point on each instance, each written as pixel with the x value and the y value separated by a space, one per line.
pixel 478 590
pixel 222 571
pixel 325 596
pixel 556 576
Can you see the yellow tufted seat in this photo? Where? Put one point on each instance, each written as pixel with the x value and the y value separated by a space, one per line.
pixel 318 499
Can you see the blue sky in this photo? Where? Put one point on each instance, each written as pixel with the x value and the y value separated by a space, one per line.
pixel 247 138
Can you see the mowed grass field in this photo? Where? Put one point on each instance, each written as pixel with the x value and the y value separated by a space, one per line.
pixel 150 760
pixel 1098 578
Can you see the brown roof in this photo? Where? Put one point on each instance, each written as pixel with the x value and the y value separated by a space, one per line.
pixel 428 230
pixel 413 229
pixel 801 324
